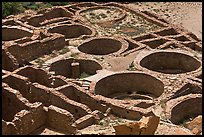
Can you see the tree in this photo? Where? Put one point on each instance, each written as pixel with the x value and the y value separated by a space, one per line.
pixel 59 3
pixel 11 8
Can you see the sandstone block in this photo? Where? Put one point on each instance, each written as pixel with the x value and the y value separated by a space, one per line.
pixel 85 121
pixel 149 125
pixel 146 126
pixel 60 119
pixel 195 125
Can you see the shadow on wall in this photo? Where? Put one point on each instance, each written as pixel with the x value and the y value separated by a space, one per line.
pixel 71 31
pixel 129 82
pixel 14 32
pixel 75 68
pixel 170 62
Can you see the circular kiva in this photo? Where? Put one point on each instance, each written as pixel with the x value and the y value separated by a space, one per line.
pixel 101 14
pixel 142 85
pixel 190 107
pixel 15 32
pixel 103 46
pixel 170 62
pixel 72 31
pixel 75 68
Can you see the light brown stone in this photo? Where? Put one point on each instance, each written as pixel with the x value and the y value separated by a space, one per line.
pixel 98 114
pixel 149 125
pixel 75 69
pixel 195 125
pixel 85 121
pixel 60 119
pixel 180 131
pixel 132 128
pixel 146 126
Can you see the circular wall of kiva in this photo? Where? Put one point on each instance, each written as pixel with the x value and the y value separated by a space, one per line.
pixel 189 108
pixel 75 68
pixel 72 31
pixel 129 85
pixel 102 14
pixel 103 46
pixel 170 62
pixel 14 32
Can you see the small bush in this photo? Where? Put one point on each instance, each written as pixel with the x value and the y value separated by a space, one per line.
pixel 131 66
pixel 84 75
pixel 59 3
pixel 11 8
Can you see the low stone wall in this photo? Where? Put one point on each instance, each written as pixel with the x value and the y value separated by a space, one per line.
pixel 178 109
pixel 136 82
pixel 103 46
pixel 15 32
pixel 64 67
pixel 73 30
pixel 60 119
pixel 170 62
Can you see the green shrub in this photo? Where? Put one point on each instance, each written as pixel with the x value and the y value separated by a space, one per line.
pixel 11 8
pixel 59 3
pixel 84 75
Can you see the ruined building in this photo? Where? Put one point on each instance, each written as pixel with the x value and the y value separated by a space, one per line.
pixel 68 68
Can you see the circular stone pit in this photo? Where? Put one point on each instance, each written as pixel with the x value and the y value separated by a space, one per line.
pixel 170 62
pixel 102 14
pixel 183 108
pixel 75 68
pixel 129 85
pixel 72 30
pixel 103 46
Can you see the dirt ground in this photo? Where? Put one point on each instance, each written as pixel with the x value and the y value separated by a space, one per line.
pixel 187 15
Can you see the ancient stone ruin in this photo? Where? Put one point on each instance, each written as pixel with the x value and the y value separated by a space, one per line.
pixel 99 68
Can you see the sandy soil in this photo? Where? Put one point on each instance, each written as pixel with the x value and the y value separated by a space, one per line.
pixel 187 15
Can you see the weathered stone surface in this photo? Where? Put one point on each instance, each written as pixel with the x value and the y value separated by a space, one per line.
pixel 146 126
pixel 85 121
pixel 72 67
pixel 60 119
pixel 89 119
pixel 98 114
pixel 195 125
pixel 5 129
pixel 9 62
pixel 27 121
pixel 171 129
pixel 181 131
pixel 132 128
pixel 149 125
pixel 75 70
pixel 180 108
pixel 12 129
pixel 97 130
